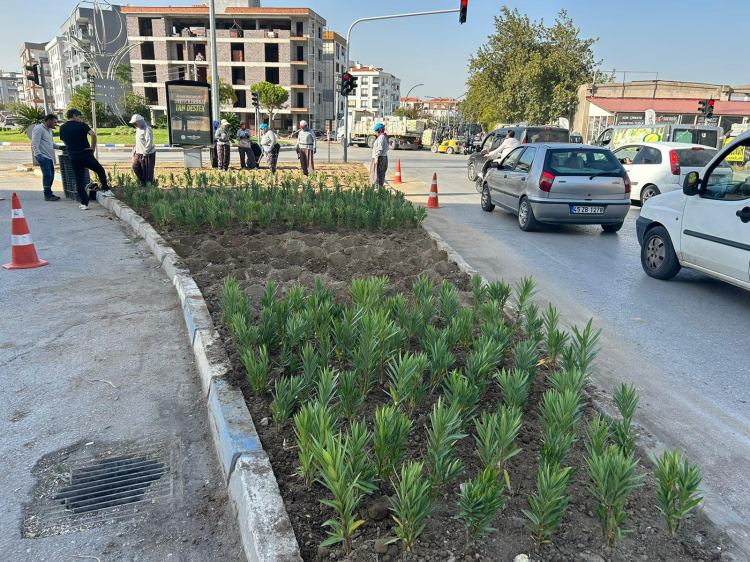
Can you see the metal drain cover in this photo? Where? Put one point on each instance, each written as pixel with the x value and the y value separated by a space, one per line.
pixel 83 487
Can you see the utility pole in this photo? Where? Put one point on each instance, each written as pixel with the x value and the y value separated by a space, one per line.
pixel 214 63
pixel 349 50
pixel 93 107
pixel 44 85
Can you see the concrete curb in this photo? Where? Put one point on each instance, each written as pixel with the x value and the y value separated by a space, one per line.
pixel 722 517
pixel 265 528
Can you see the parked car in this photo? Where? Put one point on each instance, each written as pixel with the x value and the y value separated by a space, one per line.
pixel 618 135
pixel 559 184
pixel 449 146
pixel 659 167
pixel 525 134
pixel 706 226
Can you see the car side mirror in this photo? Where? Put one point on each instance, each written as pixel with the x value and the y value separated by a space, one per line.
pixel 691 184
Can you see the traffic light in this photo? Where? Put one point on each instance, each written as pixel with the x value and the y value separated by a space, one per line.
pixel 256 100
pixel 33 73
pixel 710 108
pixel 348 83
pixel 702 106
pixel 353 84
pixel 462 11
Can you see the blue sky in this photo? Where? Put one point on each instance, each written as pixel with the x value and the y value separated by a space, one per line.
pixel 637 35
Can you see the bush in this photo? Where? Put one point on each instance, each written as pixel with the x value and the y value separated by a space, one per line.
pixel 161 122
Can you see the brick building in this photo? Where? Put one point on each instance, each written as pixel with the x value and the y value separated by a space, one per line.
pixel 279 45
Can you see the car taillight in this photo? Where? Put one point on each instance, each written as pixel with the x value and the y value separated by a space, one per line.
pixel 674 162
pixel 626 179
pixel 546 181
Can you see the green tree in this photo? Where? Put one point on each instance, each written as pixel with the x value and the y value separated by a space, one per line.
pixel 136 103
pixel 272 97
pixel 124 74
pixel 81 100
pixel 29 116
pixel 408 112
pixel 527 71
pixel 226 92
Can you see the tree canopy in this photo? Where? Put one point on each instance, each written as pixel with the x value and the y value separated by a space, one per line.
pixel 527 71
pixel 226 92
pixel 271 97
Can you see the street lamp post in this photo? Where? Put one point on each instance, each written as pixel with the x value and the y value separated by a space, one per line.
pixel 406 99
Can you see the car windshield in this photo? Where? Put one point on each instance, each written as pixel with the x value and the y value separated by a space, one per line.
pixel 583 162
pixel 694 158
pixel 546 134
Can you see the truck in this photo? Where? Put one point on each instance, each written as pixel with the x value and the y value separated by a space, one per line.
pixel 402 133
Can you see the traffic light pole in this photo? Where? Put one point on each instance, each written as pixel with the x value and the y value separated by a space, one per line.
pixel 44 86
pixel 349 50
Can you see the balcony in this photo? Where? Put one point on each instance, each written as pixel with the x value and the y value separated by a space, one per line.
pixel 298 109
pixel 299 86
pixel 298 62
pixel 299 38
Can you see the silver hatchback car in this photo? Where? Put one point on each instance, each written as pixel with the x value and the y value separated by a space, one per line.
pixel 559 184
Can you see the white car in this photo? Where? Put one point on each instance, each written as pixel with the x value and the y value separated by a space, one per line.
pixel 706 226
pixel 659 167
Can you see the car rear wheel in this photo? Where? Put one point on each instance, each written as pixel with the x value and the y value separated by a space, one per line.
pixel 526 219
pixel 487 204
pixel 472 171
pixel 658 257
pixel 648 192
pixel 450 150
pixel 612 227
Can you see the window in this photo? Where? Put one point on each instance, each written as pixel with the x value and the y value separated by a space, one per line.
pixel 497 139
pixel 300 99
pixel 320 54
pixel 152 94
pixel 320 77
pixel 375 80
pixel 511 160
pixel 729 179
pixel 582 162
pixel 694 157
pixel 627 154
pixel 363 104
pixel 149 73
pixel 272 75
pixel 364 81
pixel 648 155
pixel 525 161
pixel 147 51
pixel 697 136
pixel 337 68
pixel 320 99
pixel 272 52
pixel 546 134
pixel 352 103
pixel 364 92
pixel 605 138
pixel 338 50
pixel 320 32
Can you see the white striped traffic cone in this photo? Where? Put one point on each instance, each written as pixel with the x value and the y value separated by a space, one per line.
pixel 432 202
pixel 23 252
pixel 397 178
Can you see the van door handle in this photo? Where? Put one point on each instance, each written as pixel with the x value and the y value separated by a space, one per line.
pixel 523 179
pixel 505 176
pixel 744 214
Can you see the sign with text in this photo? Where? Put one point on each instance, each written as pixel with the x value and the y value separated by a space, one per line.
pixel 189 113
pixel 108 91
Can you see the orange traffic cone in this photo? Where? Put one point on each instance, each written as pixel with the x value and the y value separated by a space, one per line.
pixel 432 202
pixel 397 179
pixel 23 252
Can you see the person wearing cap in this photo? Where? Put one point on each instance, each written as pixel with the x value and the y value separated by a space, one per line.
pixel 144 152
pixel 43 148
pixel 222 145
pixel 244 139
pixel 212 150
pixel 379 165
pixel 269 146
pixel 307 145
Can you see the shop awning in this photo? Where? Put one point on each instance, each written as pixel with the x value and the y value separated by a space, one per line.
pixel 668 105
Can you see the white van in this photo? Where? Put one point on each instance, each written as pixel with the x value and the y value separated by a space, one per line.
pixel 619 135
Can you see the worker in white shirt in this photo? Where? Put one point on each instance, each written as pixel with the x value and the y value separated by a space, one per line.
pixel 269 146
pixel 144 152
pixel 379 165
pixel 307 145
pixel 43 148
pixel 504 149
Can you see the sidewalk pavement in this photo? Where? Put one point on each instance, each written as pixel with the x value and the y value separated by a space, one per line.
pixel 95 362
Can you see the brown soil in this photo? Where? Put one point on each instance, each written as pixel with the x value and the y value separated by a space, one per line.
pixel 254 257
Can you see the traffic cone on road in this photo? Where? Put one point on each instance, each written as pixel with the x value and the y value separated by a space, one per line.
pixel 23 253
pixel 432 202
pixel 397 179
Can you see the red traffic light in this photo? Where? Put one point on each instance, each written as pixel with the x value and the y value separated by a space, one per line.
pixel 464 3
pixel 463 8
pixel 711 102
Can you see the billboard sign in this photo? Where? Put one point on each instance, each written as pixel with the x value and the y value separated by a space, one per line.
pixel 189 113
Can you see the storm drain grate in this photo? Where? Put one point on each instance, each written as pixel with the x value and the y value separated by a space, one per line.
pixel 110 482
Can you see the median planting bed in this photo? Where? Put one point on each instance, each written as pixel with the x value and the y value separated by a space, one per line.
pixel 410 411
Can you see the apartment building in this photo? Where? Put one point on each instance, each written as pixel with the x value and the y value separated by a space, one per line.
pixel 334 57
pixel 279 45
pixel 377 91
pixel 30 53
pixel 439 108
pixel 59 81
pixel 9 85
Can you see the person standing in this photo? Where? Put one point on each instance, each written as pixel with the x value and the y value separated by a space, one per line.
pixel 44 150
pixel 379 165
pixel 307 145
pixel 244 139
pixel 212 150
pixel 269 146
pixel 74 133
pixel 144 152
pixel 223 145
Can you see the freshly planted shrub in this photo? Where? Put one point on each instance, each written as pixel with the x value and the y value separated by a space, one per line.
pixel 406 381
pixel 678 490
pixel 312 423
pixel 480 500
pixel 556 339
pixel 526 358
pixel 258 368
pixel 496 437
pixel 350 395
pixel 359 464
pixel 440 358
pixel 626 400
pixel 584 347
pixel 575 381
pixel 499 291
pixel 310 364
pixel 515 386
pixel 422 288
pixel 368 293
pixel 391 428
pixel 442 435
pixel 326 385
pixel 462 393
pixel 479 291
pixel 286 390
pixel 448 302
pixel 613 477
pixel 548 503
pixel 524 291
pixel 597 436
pixel 412 504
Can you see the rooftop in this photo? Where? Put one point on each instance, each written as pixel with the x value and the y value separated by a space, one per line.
pixel 668 105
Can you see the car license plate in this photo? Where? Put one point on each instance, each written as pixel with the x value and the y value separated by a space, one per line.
pixel 586 210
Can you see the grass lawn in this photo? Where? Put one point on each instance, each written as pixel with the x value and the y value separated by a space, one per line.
pixel 161 136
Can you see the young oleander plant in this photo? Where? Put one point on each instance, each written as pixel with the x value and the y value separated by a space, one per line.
pixel 391 428
pixel 285 393
pixel 514 386
pixel 678 491
pixel 442 435
pixel 312 424
pixel 548 503
pixel 495 438
pixel 626 400
pixel 258 368
pixel 411 505
pixel 479 501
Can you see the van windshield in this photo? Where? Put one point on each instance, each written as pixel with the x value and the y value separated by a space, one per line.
pixel 583 162
pixel 546 134
pixel 696 136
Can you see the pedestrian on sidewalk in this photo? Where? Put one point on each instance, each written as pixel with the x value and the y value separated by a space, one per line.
pixel 212 150
pixel 269 146
pixel 307 145
pixel 379 165
pixel 223 145
pixel 244 139
pixel 74 133
pixel 144 152
pixel 44 150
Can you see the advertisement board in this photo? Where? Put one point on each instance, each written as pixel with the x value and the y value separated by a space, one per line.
pixel 189 113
